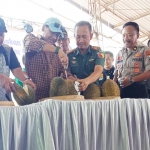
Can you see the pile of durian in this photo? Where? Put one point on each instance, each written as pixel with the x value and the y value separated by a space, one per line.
pixel 62 87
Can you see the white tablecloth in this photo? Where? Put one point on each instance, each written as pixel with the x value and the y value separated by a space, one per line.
pixel 79 125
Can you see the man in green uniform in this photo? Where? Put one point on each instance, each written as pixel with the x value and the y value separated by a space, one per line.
pixel 86 61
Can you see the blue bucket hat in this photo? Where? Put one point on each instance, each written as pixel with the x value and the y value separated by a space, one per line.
pixel 2 26
pixel 54 24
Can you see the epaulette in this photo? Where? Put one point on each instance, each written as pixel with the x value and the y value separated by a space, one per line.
pixel 70 51
pixel 96 48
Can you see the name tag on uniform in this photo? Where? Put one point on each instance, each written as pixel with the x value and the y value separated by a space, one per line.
pixel 91 59
pixel 137 59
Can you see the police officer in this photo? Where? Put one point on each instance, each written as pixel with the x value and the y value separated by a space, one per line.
pixel 86 61
pixel 9 61
pixel 132 64
pixel 108 68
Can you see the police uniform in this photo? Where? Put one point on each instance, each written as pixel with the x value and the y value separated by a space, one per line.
pixel 82 65
pixel 131 63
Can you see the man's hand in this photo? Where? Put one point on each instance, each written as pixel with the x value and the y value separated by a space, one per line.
pixel 63 58
pixel 125 82
pixel 28 81
pixel 6 83
pixel 83 84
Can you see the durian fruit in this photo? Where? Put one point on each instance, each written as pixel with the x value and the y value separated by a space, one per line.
pixel 58 87
pixel 62 87
pixel 20 95
pixel 92 91
pixel 23 98
pixel 70 87
pixel 110 88
pixel 30 92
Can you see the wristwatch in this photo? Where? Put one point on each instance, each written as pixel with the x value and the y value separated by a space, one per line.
pixel 57 49
pixel 131 80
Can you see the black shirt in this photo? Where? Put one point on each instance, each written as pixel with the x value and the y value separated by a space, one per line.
pixel 14 63
pixel 106 73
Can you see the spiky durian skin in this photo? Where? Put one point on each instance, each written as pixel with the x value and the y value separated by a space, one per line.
pixel 92 91
pixel 110 88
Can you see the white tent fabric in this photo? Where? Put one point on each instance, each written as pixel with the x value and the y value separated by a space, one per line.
pixel 37 11
pixel 77 125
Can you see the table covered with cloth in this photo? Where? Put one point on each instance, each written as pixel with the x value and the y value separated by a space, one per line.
pixel 122 124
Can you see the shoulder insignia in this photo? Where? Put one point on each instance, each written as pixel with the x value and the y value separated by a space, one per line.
pixel 96 48
pixel 70 51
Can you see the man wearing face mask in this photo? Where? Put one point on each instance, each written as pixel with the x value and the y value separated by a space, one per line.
pixel 43 59
pixel 132 64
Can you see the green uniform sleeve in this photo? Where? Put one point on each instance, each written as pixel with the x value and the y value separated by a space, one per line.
pixel 100 58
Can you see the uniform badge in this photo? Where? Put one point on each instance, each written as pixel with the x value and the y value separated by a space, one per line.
pixel 135 48
pixel 95 47
pixel 74 62
pixel 137 70
pixel 138 54
pixel 73 57
pixel 100 55
pixel 136 64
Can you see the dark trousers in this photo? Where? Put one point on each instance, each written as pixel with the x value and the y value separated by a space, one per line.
pixel 149 93
pixel 134 90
